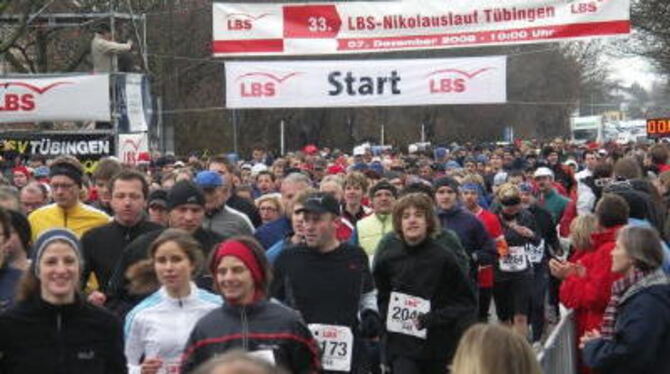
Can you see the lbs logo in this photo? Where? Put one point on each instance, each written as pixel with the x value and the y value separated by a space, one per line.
pixel 242 21
pixel 22 98
pixel 451 80
pixel 261 84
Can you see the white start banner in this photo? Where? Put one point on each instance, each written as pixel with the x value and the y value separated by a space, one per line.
pixel 382 26
pixel 316 84
pixel 62 98
pixel 131 146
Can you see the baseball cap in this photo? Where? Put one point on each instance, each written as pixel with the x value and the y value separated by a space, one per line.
pixel 208 179
pixel 185 192
pixel 158 197
pixel 321 202
pixel 543 172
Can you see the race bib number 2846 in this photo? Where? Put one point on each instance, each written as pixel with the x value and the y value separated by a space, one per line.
pixel 403 311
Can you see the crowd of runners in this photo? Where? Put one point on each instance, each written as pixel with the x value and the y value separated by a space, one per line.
pixel 449 259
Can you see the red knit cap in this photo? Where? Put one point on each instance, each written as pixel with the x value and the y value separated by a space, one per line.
pixel 240 251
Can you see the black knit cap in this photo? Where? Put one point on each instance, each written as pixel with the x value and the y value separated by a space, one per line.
pixel 185 192
pixel 446 181
pixel 383 185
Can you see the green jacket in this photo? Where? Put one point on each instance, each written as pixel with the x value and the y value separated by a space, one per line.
pixel 370 230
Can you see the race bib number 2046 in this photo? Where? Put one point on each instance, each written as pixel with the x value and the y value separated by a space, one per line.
pixel 403 311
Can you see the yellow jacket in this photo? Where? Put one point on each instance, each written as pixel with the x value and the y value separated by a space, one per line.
pixel 79 219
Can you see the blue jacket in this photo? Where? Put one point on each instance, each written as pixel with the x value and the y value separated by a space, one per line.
pixel 472 233
pixel 272 232
pixel 276 249
pixel 9 278
pixel 641 339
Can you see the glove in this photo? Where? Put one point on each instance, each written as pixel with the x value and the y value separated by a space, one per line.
pixel 371 324
pixel 424 321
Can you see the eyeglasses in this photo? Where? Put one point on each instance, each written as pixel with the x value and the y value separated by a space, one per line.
pixel 267 209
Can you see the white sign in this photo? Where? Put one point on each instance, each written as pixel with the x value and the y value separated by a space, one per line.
pixel 304 84
pixel 403 312
pixel 130 147
pixel 336 343
pixel 135 103
pixel 382 26
pixel 515 261
pixel 64 98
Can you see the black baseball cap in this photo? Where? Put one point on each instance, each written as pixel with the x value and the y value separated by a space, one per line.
pixel 185 192
pixel 158 197
pixel 321 202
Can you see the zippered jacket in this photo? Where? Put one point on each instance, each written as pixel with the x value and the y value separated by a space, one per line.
pixel 263 326
pixel 80 218
pixel 39 337
pixel 160 326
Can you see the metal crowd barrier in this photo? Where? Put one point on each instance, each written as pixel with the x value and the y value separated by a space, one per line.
pixel 559 354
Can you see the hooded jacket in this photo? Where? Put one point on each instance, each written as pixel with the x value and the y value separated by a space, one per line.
pixel 641 339
pixel 261 326
pixel 41 338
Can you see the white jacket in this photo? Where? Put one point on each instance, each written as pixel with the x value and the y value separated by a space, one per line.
pixel 160 326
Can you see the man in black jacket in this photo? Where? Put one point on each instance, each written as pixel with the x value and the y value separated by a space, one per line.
pixel 425 297
pixel 539 257
pixel 330 284
pixel 104 245
pixel 186 203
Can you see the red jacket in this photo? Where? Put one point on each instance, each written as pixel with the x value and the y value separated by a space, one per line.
pixel 589 295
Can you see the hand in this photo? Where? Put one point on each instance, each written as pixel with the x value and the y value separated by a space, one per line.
pixel 151 365
pixel 523 231
pixel 589 336
pixel 371 324
pixel 97 298
pixel 579 269
pixel 560 269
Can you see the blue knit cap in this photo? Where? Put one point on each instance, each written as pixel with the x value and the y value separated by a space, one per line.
pixel 47 238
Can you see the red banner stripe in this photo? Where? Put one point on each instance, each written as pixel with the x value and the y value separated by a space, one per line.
pixel 245 46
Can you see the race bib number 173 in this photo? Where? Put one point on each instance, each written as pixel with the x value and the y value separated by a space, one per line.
pixel 403 311
pixel 336 343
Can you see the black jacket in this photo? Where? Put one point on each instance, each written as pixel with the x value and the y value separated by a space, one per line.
pixel 41 338
pixel 103 247
pixel 119 300
pixel 246 207
pixel 430 272
pixel 264 325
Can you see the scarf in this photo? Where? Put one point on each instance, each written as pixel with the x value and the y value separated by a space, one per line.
pixel 622 290
pixel 619 288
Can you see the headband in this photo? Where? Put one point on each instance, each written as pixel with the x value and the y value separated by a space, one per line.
pixel 68 170
pixel 240 251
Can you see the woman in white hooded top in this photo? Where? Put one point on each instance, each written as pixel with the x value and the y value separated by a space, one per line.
pixel 157 329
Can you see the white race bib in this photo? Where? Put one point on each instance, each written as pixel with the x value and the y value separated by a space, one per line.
pixel 515 261
pixel 536 253
pixel 264 354
pixel 403 310
pixel 336 343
